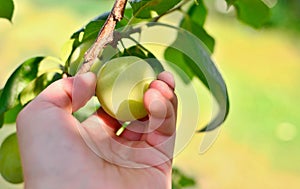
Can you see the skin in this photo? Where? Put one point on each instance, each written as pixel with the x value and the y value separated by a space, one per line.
pixel 55 155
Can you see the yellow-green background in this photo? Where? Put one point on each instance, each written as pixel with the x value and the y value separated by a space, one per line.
pixel 257 147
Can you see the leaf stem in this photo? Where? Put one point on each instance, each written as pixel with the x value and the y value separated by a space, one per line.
pixel 105 35
pixel 138 44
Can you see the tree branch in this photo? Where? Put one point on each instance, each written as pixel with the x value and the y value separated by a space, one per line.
pixel 105 35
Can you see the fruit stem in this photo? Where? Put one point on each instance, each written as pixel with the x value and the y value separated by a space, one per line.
pixel 124 125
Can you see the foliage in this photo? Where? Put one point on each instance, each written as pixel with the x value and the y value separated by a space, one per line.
pixel 6 9
pixel 35 74
pixel 181 180
pixel 252 12
pixel 286 15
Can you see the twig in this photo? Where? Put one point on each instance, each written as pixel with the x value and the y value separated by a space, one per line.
pixel 105 35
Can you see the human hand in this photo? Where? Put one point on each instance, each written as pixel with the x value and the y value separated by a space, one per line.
pixel 59 152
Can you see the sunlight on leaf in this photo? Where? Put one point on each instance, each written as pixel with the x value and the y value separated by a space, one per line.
pixel 17 82
pixel 37 86
pixel 22 76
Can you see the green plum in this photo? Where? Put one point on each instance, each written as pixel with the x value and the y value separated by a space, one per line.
pixel 121 84
pixel 10 163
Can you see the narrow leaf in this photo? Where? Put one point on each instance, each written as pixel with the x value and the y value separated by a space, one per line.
pixel 38 85
pixel 181 180
pixel 25 73
pixel 144 8
pixel 1 120
pixel 1 114
pixel 146 55
pixel 6 9
pixel 193 57
pixel 194 20
pixel 252 12
pixel 22 76
pixel 175 56
pixel 230 2
pixel 10 116
pixel 92 29
pixel 89 31
pixel 200 32
pixel 66 50
pixel 87 35
pixel 198 12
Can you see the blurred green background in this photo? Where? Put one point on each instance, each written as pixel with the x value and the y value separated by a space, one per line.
pixel 258 146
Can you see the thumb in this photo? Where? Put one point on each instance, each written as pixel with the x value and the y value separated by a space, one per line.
pixel 69 94
pixel 83 89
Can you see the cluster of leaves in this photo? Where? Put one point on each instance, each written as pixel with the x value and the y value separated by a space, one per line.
pixel 35 74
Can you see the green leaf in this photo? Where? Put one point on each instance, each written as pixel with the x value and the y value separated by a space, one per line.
pixel 181 180
pixel 252 12
pixel 10 162
pixel 145 54
pixel 128 14
pixel 175 56
pixel 186 181
pixel 89 31
pixel 198 13
pixel 6 9
pixel 144 8
pixel 10 116
pixel 66 50
pixel 1 119
pixel 80 42
pixel 76 58
pixel 192 56
pixel 194 20
pixel 38 85
pixel 198 31
pixel 230 2
pixel 21 77
pixel 82 39
pixel 1 115
pixel 102 17
pixel 92 29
